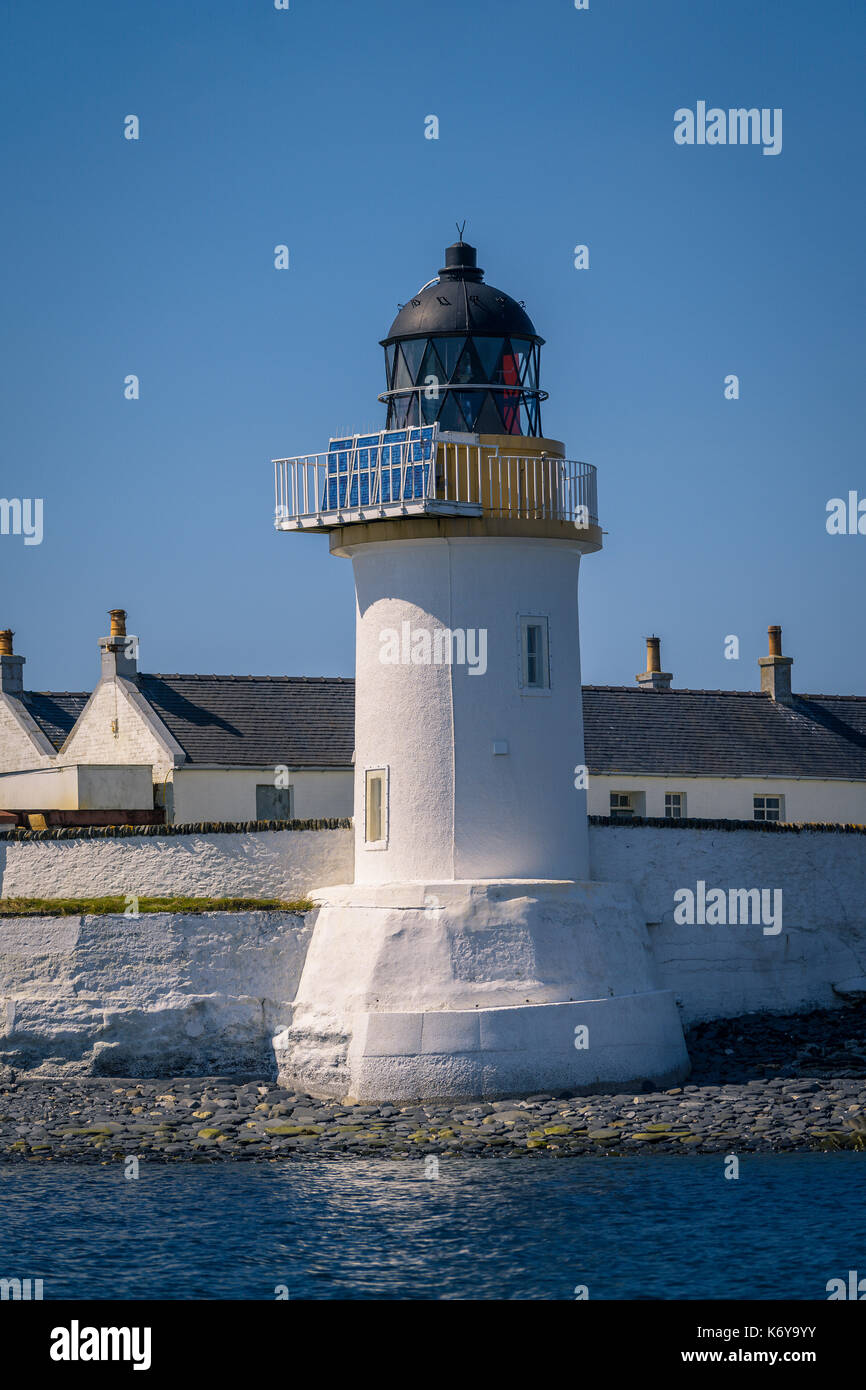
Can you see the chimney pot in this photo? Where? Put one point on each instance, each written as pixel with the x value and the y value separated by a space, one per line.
pixel 11 666
pixel 776 669
pixel 654 678
pixel 118 652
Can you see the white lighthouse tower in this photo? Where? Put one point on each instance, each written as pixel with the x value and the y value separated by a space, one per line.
pixel 473 954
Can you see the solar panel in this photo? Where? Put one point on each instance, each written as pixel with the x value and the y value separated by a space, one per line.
pixel 372 469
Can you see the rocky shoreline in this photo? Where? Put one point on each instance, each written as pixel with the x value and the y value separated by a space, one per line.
pixel 762 1084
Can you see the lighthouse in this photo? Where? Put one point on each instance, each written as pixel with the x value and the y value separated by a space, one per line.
pixel 473 954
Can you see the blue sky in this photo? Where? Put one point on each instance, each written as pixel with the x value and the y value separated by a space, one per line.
pixel 306 127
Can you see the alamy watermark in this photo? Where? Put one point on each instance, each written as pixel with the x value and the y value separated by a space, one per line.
pixel 737 126
pixel 846 518
pixel 21 1289
pixel 77 1343
pixel 718 907
pixel 441 646
pixel 22 516
pixel 855 1288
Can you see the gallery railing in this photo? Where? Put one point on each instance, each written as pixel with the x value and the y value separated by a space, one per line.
pixel 422 471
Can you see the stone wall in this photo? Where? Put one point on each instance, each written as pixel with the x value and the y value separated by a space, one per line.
pixel 266 863
pixel 817 959
pixel 167 994
pixel 157 995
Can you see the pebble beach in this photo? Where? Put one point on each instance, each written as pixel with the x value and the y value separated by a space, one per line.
pixel 763 1084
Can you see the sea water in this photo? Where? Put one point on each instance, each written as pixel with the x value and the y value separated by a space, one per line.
pixel 665 1227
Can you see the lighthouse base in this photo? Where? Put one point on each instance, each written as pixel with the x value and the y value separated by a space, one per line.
pixel 479 989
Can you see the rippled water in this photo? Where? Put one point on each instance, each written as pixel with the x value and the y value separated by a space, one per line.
pixel 663 1227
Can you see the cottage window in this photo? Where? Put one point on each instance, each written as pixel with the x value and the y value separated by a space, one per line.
pixel 273 803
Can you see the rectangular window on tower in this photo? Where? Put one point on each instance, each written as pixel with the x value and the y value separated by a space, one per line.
pixel 376 808
pixel 534 654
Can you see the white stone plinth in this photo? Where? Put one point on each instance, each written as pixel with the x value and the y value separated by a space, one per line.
pixel 465 989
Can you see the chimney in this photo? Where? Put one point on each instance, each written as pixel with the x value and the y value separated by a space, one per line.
pixel 776 669
pixel 654 678
pixel 119 653
pixel 11 666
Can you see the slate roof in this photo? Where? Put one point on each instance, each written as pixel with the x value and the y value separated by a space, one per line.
pixel 258 721
pixel 723 733
pixel 55 711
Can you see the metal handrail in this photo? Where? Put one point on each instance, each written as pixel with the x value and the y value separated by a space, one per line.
pixel 463 477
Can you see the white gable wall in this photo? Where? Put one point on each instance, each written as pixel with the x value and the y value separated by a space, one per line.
pixel 22 743
pixel 138 738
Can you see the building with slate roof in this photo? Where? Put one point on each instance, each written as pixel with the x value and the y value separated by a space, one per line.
pixel 213 743
pixel 217 748
pixel 767 755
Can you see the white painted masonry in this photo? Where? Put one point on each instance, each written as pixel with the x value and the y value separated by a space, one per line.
pixel 433 726
pixel 722 971
pixel 470 946
pixel 75 787
pixel 155 995
pixel 498 1052
pixel 229 794
pixel 818 959
pixel 139 736
pixel 730 798
pixel 273 863
pixel 461 989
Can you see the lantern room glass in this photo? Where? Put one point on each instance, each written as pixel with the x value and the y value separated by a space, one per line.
pixel 431 372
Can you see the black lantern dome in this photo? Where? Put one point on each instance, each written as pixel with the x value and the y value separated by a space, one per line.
pixel 465 354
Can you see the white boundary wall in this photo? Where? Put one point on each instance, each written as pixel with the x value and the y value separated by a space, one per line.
pixel 266 864
pixel 721 971
pixel 160 994
pixel 157 995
